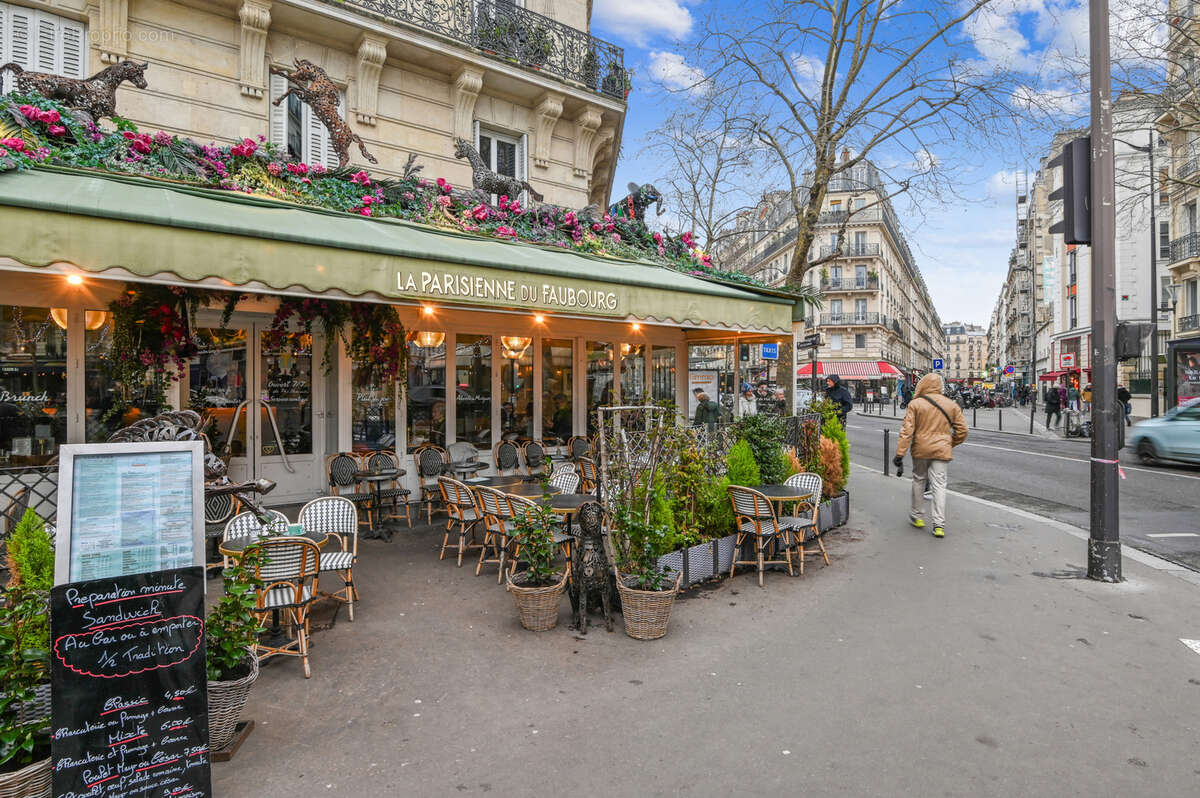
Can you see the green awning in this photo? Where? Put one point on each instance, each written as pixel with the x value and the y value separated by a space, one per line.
pixel 98 221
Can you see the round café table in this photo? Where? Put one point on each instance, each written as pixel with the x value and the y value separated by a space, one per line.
pixel 376 479
pixel 529 490
pixel 502 481
pixel 784 493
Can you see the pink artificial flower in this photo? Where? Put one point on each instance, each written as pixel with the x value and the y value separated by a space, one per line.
pixel 28 111
pixel 443 201
pixel 616 237
pixel 245 150
pixel 50 117
pixel 569 220
pixel 503 203
pixel 596 227
pixel 162 138
pixel 306 181
pixel 688 240
pixel 3 153
pixel 408 195
pixel 275 168
pixel 367 199
pixel 360 178
pixel 422 183
pixel 658 239
pixel 479 212
pixel 318 169
pixel 17 145
pixel 365 211
pixel 515 207
pixel 57 130
pixel 298 168
pixel 505 232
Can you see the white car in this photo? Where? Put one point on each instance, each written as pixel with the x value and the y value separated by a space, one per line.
pixel 1174 436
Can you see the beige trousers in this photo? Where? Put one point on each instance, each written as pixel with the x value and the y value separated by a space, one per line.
pixel 933 472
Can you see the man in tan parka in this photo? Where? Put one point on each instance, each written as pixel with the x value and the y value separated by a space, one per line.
pixel 933 426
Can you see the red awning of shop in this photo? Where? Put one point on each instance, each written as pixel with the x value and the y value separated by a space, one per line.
pixel 1051 375
pixel 888 370
pixel 846 369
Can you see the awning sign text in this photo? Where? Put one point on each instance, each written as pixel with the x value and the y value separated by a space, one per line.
pixel 449 285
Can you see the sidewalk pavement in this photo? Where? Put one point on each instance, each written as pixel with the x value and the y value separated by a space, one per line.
pixel 977 665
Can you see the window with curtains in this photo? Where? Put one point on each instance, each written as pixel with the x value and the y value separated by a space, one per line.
pixel 295 128
pixel 42 42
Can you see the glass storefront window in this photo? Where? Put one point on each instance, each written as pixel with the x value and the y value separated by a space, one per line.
pixel 599 379
pixel 633 374
pixel 712 369
pixel 373 411
pixel 662 376
pixel 33 385
pixel 426 389
pixel 473 381
pixel 217 388
pixel 286 395
pixel 101 418
pixel 558 367
pixel 516 388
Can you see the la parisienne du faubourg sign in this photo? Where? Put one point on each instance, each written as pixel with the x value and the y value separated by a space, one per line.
pixel 505 290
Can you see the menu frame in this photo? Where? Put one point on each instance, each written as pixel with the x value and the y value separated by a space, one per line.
pixel 66 489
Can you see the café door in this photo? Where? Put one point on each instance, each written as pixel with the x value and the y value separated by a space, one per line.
pixel 265 395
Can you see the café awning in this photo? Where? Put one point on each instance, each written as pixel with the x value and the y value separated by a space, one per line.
pixel 848 369
pixel 139 228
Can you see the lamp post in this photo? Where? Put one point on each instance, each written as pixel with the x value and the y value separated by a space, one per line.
pixel 1173 298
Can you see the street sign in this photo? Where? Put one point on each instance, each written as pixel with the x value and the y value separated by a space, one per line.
pixel 1067 360
pixel 810 341
pixel 1009 369
pixel 937 364
pixel 770 351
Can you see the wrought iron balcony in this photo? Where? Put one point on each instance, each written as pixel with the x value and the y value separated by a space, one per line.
pixel 849 319
pixel 511 33
pixel 852 251
pixel 849 283
pixel 1186 168
pixel 1185 247
pixel 1189 323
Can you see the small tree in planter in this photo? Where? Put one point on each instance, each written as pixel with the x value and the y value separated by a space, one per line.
pixel 741 467
pixel 647 593
pixel 231 634
pixel 537 590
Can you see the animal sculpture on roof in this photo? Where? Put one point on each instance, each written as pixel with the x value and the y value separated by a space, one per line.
pixel 485 180
pixel 316 90
pixel 97 95
pixel 634 205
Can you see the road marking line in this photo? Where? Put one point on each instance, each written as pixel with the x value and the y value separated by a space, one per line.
pixel 1194 645
pixel 1078 460
pixel 1173 535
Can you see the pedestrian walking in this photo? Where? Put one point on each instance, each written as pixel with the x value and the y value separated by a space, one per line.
pixel 1073 397
pixel 747 404
pixel 1053 407
pixel 1126 400
pixel 708 412
pixel 839 395
pixel 1085 396
pixel 933 426
pixel 906 393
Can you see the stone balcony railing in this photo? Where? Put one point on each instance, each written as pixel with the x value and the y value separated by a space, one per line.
pixel 511 33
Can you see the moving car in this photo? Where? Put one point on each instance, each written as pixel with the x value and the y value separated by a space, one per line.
pixel 1174 436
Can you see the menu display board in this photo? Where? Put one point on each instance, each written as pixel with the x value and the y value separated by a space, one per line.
pixel 131 508
pixel 129 687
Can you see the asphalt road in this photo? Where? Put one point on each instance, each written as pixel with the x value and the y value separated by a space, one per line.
pixel 1159 506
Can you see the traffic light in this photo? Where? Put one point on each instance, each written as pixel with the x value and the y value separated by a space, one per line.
pixel 1076 191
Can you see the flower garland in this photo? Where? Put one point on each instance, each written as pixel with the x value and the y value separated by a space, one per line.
pixel 375 337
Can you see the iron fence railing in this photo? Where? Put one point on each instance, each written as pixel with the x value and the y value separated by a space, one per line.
pixel 512 33
pixel 850 319
pixel 849 283
pixel 852 250
pixel 1189 323
pixel 1184 247
pixel 28 487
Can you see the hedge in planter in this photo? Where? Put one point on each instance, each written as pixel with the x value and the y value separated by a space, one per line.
pixel 24 664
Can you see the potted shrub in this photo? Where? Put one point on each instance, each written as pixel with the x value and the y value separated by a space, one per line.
pixel 647 593
pixel 617 80
pixel 538 588
pixel 832 461
pixel 591 70
pixel 230 636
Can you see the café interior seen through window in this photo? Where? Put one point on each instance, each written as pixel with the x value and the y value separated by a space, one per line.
pixel 33 384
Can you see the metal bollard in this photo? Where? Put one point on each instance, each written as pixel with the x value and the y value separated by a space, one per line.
pixel 974 417
pixel 1000 417
pixel 1032 412
pixel 887 452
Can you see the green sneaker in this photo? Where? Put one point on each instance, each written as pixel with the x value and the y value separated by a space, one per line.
pixel 938 532
pixel 919 523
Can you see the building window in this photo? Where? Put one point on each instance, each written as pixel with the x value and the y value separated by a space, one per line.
pixel 503 153
pixel 600 363
pixel 41 42
pixel 33 385
pixel 101 420
pixel 662 378
pixel 1071 269
pixel 473 390
pixel 860 341
pixel 373 411
pixel 558 371
pixel 1191 302
pixel 1164 241
pixel 835 341
pixel 297 129
pixel 516 389
pixel 1071 313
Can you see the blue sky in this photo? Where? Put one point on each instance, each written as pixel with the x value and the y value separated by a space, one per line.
pixel 961 245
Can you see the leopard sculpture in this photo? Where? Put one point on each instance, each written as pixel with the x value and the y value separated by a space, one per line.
pixel 589 568
pixel 315 88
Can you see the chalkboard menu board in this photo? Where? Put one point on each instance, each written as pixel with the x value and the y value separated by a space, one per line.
pixel 129 687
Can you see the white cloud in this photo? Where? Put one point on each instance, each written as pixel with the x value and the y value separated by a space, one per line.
pixel 1053 101
pixel 995 30
pixel 638 20
pixel 810 72
pixel 925 161
pixel 1002 186
pixel 673 72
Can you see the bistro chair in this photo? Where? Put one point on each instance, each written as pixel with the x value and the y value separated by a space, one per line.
pixel 461 509
pixel 537 461
pixel 217 512
pixel 247 525
pixel 288 569
pixel 565 479
pixel 755 517
pixel 588 475
pixel 507 457
pixel 337 517
pixel 342 469
pixel 521 505
pixel 577 447
pixel 804 523
pixel 431 462
pixel 497 516
pixel 386 460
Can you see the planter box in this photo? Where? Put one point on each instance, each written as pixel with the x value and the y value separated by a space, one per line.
pixel 725 551
pixel 696 563
pixel 834 512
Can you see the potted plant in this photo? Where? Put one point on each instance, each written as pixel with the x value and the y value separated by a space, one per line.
pixel 591 70
pixel 230 636
pixel 647 592
pixel 25 662
pixel 616 81
pixel 831 459
pixel 538 47
pixel 538 588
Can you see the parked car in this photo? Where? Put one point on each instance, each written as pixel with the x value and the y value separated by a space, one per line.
pixel 1174 436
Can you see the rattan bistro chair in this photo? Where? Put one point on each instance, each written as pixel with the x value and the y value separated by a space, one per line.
pixel 804 523
pixel 247 525
pixel 755 517
pixel 384 460
pixel 288 569
pixel 588 475
pixel 537 461
pixel 507 457
pixel 497 518
pixel 337 517
pixel 559 536
pixel 341 469
pixel 431 462
pixel 463 510
pixel 565 479
pixel 578 446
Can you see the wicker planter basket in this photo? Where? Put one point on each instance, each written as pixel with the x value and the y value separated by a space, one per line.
pixel 537 607
pixel 646 612
pixel 31 781
pixel 226 700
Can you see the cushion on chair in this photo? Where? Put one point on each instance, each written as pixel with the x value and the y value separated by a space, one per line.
pixel 767 531
pixel 392 493
pixel 469 514
pixel 337 560
pixel 278 597
pixel 356 497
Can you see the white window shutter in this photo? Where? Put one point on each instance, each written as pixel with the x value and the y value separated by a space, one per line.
pixel 314 138
pixel 277 124
pixel 522 151
pixel 20 42
pixel 74 49
pixel 46 46
pixel 331 159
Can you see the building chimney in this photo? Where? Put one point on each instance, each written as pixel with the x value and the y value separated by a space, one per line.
pixel 845 154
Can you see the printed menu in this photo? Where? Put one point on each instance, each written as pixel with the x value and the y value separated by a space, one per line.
pixel 130 513
pixel 129 687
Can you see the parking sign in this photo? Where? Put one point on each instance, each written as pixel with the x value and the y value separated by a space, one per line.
pixel 937 364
